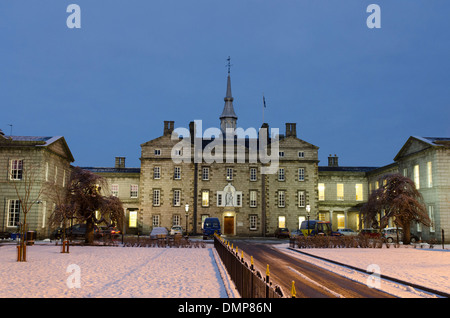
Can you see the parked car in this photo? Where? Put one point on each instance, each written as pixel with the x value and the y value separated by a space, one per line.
pixel 347 232
pixel 211 226
pixel 317 227
pixel 176 229
pixel 158 232
pixel 296 233
pixel 5 235
pixel 107 231
pixel 372 233
pixel 390 235
pixel 282 232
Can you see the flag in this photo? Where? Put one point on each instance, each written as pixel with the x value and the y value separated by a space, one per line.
pixel 264 101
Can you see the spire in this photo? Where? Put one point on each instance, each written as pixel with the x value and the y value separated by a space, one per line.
pixel 228 117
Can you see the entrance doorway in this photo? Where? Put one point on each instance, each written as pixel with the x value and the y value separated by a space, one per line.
pixel 228 225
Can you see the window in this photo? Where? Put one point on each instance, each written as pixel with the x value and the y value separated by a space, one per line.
pixel 300 220
pixel 16 169
pixel 229 173
pixel 177 173
pixel 157 152
pixel 156 172
pixel 281 221
pixel 321 191
pixel 253 174
pixel 176 220
pixel 132 222
pixel 429 174
pixel 340 191
pixel 253 219
pixel 281 154
pixel 114 190
pixel 281 174
pixel 133 190
pixel 44 213
pixel 301 199
pixel 341 221
pixel 377 184
pixel 359 191
pixel 176 197
pixel 155 220
pixel 64 178
pixel 13 212
pixel 281 199
pixel 238 199
pixel 416 176
pixel 405 172
pixel 205 173
pixel 219 199
pixel 253 198
pixel 156 197
pixel 56 174
pixel 301 154
pixel 301 174
pixel 205 198
pixel 431 215
pixel 46 171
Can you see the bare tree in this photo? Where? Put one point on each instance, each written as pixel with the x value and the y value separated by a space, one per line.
pixel 28 190
pixel 400 201
pixel 83 198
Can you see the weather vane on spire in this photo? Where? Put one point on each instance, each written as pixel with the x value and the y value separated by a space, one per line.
pixel 229 64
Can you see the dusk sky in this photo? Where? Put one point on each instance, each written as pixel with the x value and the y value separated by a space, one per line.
pixel 108 86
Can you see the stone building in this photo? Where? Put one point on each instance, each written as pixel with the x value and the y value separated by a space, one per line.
pixel 33 170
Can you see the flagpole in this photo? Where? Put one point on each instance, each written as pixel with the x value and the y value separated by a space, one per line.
pixel 264 106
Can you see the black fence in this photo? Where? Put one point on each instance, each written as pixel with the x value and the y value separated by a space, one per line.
pixel 248 281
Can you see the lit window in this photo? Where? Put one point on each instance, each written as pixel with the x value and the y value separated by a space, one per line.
pixel 205 198
pixel 416 176
pixel 281 221
pixel 359 191
pixel 340 191
pixel 132 222
pixel 341 221
pixel 321 191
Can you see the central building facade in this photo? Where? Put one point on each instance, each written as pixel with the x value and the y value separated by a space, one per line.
pixel 186 176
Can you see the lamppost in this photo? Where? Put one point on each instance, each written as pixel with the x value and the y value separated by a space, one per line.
pixel 186 208
pixel 308 210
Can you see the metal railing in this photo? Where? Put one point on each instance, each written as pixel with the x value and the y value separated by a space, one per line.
pixel 248 281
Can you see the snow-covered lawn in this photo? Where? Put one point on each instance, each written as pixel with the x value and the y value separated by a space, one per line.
pixel 111 272
pixel 425 267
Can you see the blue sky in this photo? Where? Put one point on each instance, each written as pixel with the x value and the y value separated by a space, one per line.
pixel 107 87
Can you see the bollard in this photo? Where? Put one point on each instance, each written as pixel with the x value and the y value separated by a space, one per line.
pixel 267 281
pixel 251 263
pixel 293 293
pixel 18 253
pixel 443 239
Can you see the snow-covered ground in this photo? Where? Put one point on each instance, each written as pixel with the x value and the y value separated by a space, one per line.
pixel 112 272
pixel 123 272
pixel 421 266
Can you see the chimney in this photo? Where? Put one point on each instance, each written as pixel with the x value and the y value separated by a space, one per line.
pixel 333 161
pixel 168 127
pixel 120 162
pixel 291 129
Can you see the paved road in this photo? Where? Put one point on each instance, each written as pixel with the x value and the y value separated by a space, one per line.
pixel 310 281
